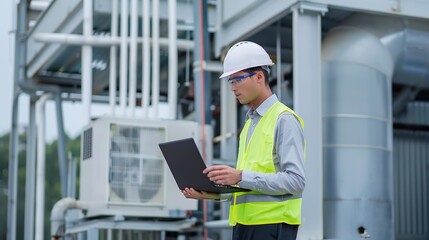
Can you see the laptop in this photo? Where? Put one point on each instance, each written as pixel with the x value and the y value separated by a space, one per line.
pixel 187 165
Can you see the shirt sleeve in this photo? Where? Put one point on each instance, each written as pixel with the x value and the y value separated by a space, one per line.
pixel 288 156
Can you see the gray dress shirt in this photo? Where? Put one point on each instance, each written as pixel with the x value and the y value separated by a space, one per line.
pixel 288 155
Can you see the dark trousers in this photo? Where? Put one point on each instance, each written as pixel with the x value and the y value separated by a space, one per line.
pixel 279 231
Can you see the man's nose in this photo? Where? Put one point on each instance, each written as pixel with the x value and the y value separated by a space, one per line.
pixel 233 86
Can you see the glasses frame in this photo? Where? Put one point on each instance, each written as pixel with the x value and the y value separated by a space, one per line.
pixel 239 79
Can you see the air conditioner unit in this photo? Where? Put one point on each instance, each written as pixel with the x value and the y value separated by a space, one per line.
pixel 123 171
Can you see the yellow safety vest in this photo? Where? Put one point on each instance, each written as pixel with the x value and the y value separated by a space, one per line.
pixel 255 208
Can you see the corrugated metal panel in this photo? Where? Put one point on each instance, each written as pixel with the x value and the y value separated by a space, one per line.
pixel 411 176
pixel 416 113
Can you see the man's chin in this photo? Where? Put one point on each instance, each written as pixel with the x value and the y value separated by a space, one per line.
pixel 241 101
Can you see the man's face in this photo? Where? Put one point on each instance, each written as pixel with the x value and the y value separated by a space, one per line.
pixel 245 89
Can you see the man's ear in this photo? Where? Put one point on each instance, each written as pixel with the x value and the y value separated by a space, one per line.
pixel 260 76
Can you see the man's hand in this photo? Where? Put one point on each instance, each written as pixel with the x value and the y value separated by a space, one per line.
pixel 222 174
pixel 194 194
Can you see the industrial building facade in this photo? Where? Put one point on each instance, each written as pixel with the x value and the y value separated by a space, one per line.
pixel 357 72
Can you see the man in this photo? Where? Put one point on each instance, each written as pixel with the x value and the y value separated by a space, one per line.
pixel 271 154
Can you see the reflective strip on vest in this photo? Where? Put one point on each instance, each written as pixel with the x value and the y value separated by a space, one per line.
pixel 247 198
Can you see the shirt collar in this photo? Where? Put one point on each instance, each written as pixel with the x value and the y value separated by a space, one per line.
pixel 264 107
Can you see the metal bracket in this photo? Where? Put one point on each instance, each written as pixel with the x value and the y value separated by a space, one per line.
pixel 303 6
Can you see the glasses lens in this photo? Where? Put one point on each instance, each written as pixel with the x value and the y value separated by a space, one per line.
pixel 239 79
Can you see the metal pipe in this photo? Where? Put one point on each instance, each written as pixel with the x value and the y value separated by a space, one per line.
pixel 19 84
pixel 155 57
pixel 209 66
pixel 146 58
pixel 30 173
pixel 13 170
pixel 202 81
pixel 172 59
pixel 62 145
pixel 279 61
pixel 39 5
pixel 102 41
pixel 217 224
pixel 187 62
pixel 109 234
pixel 123 58
pixel 41 162
pixel 58 214
pixel 71 176
pixel 133 58
pixel 113 49
pixel 87 63
pixel 201 53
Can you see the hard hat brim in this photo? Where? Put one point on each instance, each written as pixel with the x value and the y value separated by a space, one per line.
pixel 226 74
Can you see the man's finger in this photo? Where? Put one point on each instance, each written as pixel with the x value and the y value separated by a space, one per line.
pixel 214 168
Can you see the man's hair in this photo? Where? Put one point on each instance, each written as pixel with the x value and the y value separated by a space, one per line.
pixel 264 71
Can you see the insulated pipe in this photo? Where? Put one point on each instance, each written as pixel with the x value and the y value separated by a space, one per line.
pixel 146 58
pixel 113 48
pixel 155 56
pixel 172 59
pixel 87 63
pixel 40 172
pixel 123 57
pixel 279 61
pixel 133 58
pixel 58 214
pixel 101 41
pixel 30 176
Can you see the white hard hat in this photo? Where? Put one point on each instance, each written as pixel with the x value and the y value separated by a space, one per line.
pixel 244 55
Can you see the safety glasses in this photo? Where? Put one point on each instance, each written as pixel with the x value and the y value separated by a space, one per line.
pixel 239 79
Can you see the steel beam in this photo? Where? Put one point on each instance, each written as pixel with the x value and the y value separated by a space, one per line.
pixel 416 8
pixel 307 87
pixel 39 53
pixel 233 29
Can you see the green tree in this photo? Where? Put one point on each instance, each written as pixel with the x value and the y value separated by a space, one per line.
pixel 52 181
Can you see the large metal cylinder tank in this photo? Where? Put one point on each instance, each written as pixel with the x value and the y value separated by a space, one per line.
pixel 356 79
